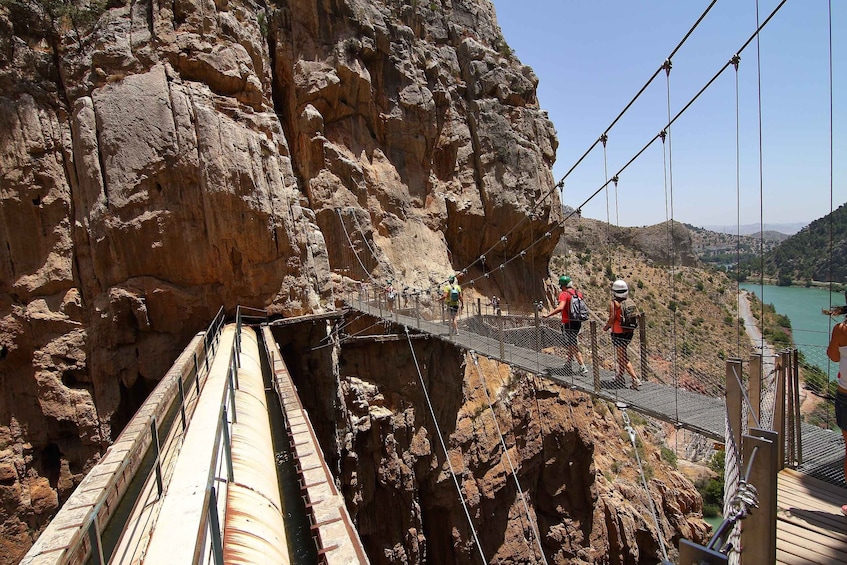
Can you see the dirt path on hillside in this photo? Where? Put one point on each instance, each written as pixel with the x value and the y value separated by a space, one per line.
pixel 808 401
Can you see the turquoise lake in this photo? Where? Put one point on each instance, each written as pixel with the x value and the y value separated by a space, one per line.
pixel 803 307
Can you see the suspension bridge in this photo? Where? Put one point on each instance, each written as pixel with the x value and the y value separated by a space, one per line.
pixel 192 478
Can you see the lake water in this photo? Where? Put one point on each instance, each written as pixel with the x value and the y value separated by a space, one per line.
pixel 803 306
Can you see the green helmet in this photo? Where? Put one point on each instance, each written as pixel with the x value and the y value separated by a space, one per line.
pixel 564 280
pixel 451 278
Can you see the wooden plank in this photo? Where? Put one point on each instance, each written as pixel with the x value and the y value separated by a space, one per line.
pixel 812 549
pixel 811 484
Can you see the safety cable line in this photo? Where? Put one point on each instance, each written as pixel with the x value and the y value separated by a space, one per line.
pixel 638 154
pixel 735 61
pixel 761 177
pixel 532 523
pixel 831 181
pixel 561 183
pixel 444 446
pixel 356 253
pixel 669 203
pixel 640 92
pixel 631 432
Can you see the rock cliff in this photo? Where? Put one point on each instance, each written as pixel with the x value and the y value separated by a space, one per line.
pixel 159 160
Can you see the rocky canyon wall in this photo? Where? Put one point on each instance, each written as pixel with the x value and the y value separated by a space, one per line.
pixel 160 160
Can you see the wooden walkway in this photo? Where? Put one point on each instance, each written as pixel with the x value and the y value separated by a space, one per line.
pixel 810 527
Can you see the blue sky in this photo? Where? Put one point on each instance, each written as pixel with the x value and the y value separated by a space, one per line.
pixel 592 57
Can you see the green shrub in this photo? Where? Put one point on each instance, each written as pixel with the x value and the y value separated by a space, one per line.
pixel 669 456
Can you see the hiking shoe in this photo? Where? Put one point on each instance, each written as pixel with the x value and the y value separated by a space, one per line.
pixel 583 371
pixel 636 385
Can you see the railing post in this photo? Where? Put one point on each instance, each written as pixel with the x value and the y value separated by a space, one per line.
pixel 234 369
pixel 227 445
pixel 500 337
pixel 754 390
pixel 215 527
pixel 779 407
pixel 418 310
pixel 798 432
pixel 642 337
pixel 196 375
pixel 733 399
pixel 789 408
pixel 758 530
pixel 537 331
pixel 155 442
pixel 595 358
pixel 232 395
pixel 182 402
pixel 479 306
pixel 96 542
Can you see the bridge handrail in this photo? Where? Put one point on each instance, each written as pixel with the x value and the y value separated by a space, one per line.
pixel 86 541
pixel 210 523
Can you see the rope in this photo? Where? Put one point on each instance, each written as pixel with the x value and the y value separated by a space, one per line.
pixel 444 447
pixel 532 524
pixel 631 431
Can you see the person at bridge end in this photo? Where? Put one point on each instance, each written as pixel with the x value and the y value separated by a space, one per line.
pixel 837 352
pixel 452 297
pixel 621 333
pixel 570 327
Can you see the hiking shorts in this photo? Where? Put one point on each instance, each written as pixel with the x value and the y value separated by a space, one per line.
pixel 570 331
pixel 453 309
pixel 841 410
pixel 621 339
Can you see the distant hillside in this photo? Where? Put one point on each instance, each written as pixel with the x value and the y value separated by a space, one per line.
pixel 725 250
pixel 805 256
pixel 753 229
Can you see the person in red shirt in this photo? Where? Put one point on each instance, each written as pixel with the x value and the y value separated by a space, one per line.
pixel 620 335
pixel 837 352
pixel 570 328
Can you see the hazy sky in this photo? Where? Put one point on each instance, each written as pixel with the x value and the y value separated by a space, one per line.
pixel 592 58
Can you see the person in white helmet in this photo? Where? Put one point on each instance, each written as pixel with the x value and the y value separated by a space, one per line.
pixel 620 336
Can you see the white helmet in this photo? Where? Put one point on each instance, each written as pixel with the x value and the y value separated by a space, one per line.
pixel 620 290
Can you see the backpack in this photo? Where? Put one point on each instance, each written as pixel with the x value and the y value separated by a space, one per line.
pixel 629 314
pixel 579 309
pixel 391 294
pixel 454 294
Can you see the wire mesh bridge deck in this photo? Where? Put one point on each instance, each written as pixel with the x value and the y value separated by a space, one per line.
pixel 531 344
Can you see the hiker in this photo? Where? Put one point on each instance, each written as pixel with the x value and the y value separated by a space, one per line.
pixel 452 297
pixel 390 295
pixel 621 334
pixel 570 327
pixel 837 352
pixel 495 305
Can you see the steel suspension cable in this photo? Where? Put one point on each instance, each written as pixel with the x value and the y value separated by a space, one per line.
pixel 831 179
pixel 761 180
pixel 634 157
pixel 605 138
pixel 444 446
pixel 533 526
pixel 735 60
pixel 669 204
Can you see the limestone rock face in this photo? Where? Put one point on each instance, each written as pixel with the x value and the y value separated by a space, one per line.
pixel 580 486
pixel 158 161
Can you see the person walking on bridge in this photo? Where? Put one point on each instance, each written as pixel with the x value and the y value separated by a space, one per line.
pixel 621 335
pixel 452 297
pixel 570 327
pixel 837 352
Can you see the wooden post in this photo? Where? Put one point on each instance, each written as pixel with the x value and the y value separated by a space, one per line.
pixel 595 358
pixel 642 336
pixel 798 454
pixel 500 324
pixel 758 530
pixel 779 407
pixel 789 407
pixel 733 399
pixel 754 391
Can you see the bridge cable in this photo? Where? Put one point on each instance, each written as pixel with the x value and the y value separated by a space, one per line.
pixel 761 180
pixel 831 159
pixel 736 59
pixel 637 155
pixel 604 138
pixel 444 446
pixel 532 523
pixel 667 149
pixel 631 432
